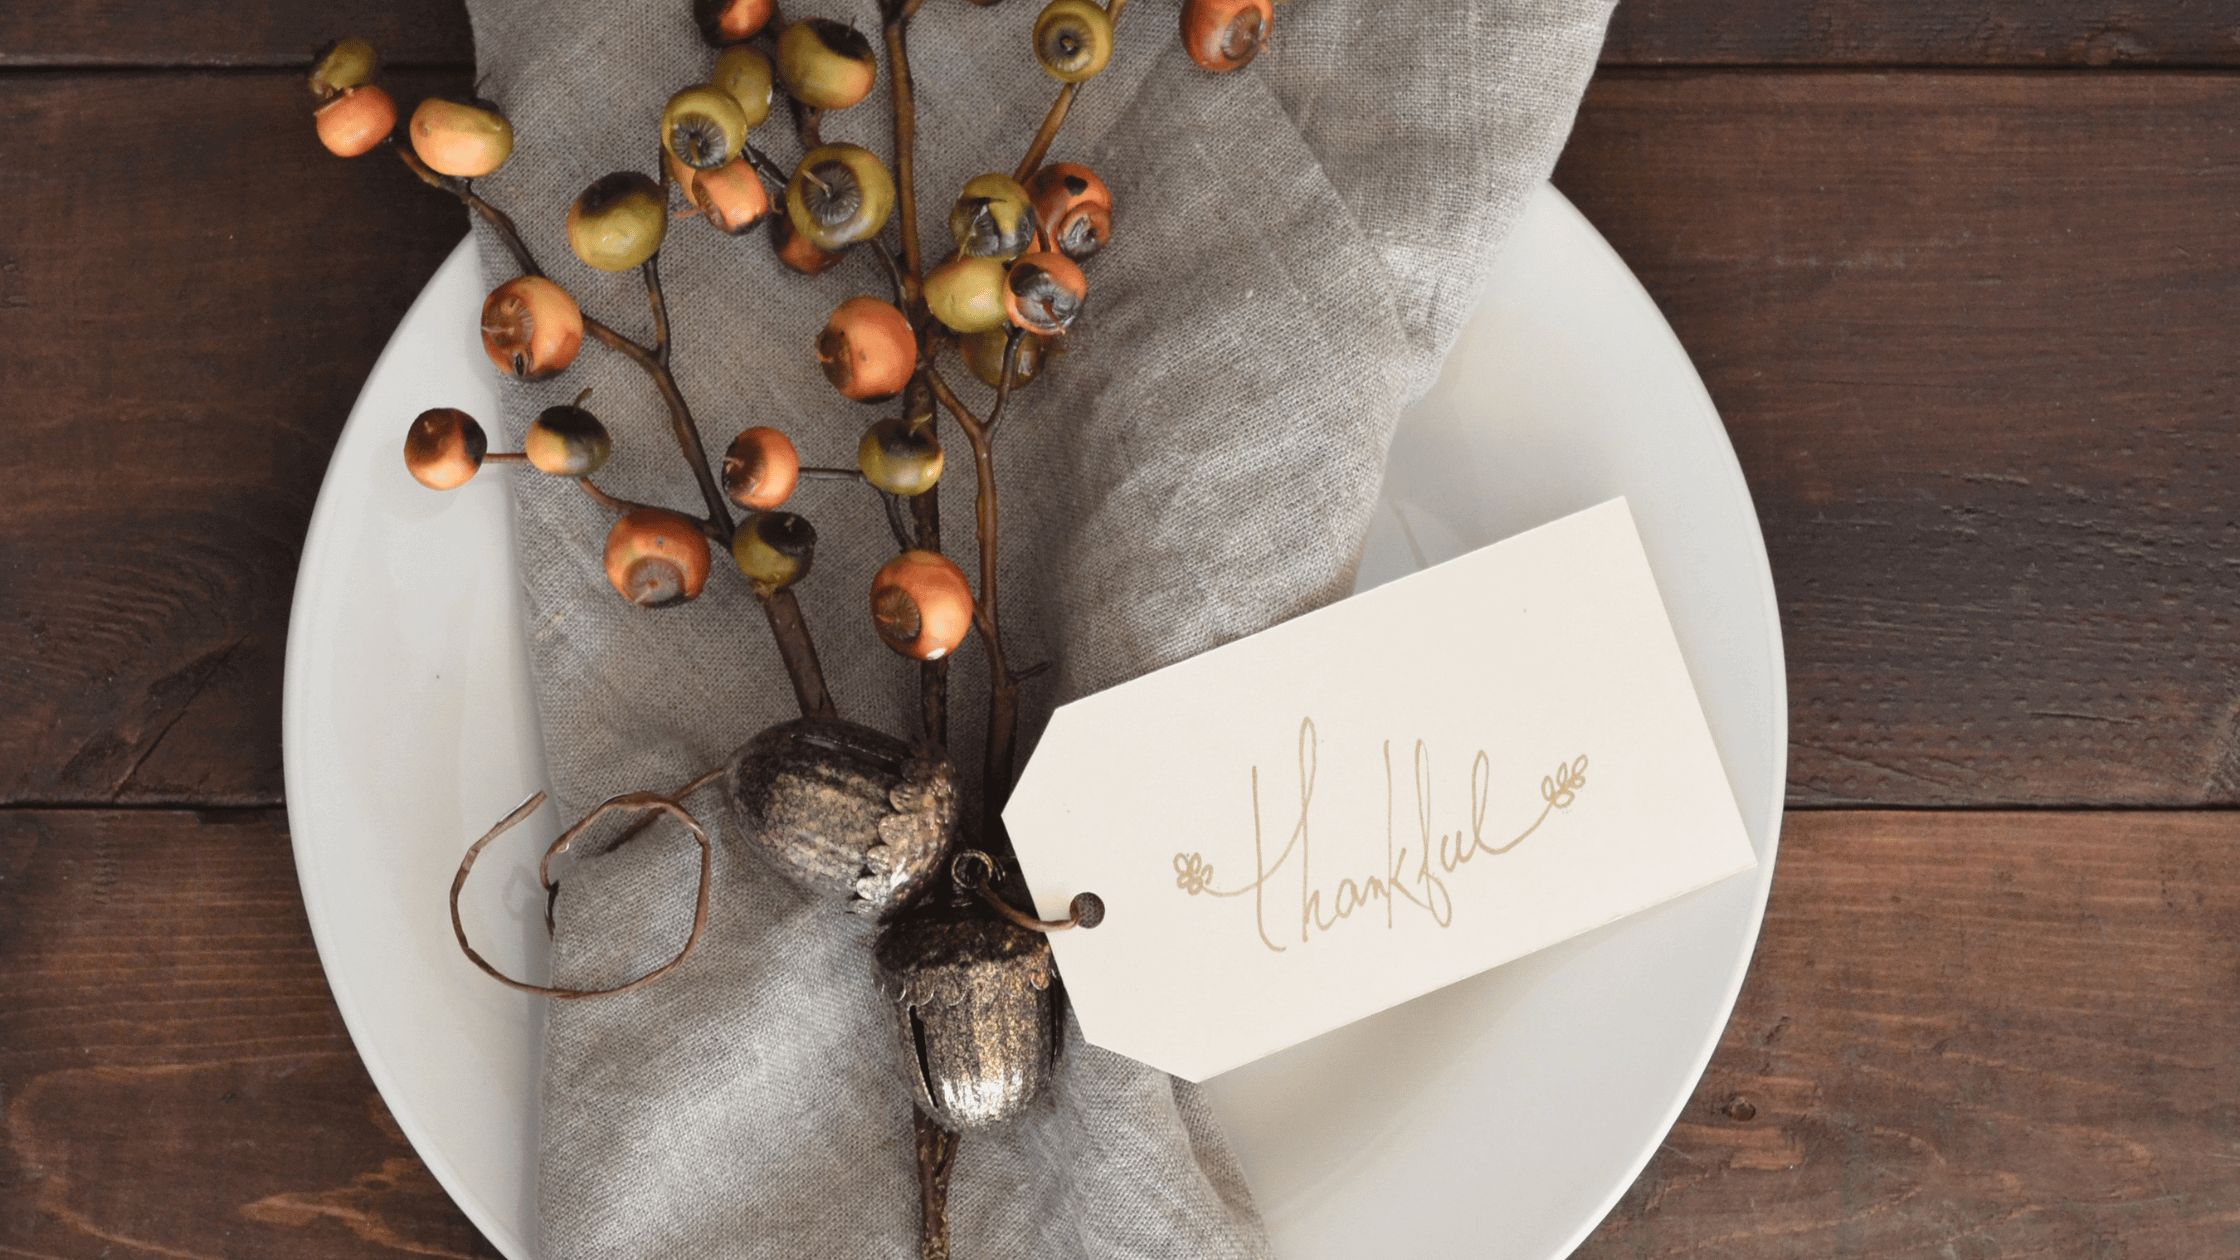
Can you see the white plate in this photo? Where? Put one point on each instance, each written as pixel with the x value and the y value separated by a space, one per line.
pixel 1500 1117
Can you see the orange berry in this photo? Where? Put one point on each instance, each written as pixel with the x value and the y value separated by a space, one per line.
pixel 1222 35
pixel 1074 207
pixel 1043 293
pixel 760 469
pixel 731 196
pixel 798 251
pixel 921 605
pixel 531 328
pixel 444 448
pixel 459 139
pixel 656 558
pixel 355 121
pixel 567 441
pixel 729 21
pixel 867 349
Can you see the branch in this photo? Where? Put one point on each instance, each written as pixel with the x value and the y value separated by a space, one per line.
pixel 718 523
pixel 800 655
pixel 1056 118
pixel 905 131
pixel 651 270
pixel 1003 689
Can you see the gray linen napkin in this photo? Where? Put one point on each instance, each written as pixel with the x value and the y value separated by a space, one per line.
pixel 1297 244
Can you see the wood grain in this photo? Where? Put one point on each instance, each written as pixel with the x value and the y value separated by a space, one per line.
pixel 2000 1033
pixel 1884 278
pixel 1642 32
pixel 1921 33
pixel 1972 338
pixel 175 1079
pixel 1971 1035
pixel 186 324
pixel 143 33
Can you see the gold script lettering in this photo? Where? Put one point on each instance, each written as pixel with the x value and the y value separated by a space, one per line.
pixel 1423 888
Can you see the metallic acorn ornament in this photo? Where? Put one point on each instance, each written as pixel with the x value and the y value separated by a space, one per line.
pixel 974 1009
pixel 845 811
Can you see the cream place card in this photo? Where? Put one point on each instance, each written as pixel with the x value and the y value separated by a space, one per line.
pixel 1376 799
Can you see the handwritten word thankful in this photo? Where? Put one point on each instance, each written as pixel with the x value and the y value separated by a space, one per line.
pixel 1424 888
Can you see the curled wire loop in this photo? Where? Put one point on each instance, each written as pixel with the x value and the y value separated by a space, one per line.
pixel 627 801
pixel 973 870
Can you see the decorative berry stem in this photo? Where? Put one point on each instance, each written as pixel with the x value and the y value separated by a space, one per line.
pixel 1056 118
pixel 937 1158
pixel 1003 687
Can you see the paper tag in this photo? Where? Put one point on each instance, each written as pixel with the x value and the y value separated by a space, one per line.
pixel 1375 800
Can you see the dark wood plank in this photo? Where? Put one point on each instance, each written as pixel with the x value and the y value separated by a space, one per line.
pixel 1642 32
pixel 1921 32
pixel 242 33
pixel 177 1080
pixel 1971 1035
pixel 1972 337
pixel 1970 334
pixel 186 326
pixel 1999 1033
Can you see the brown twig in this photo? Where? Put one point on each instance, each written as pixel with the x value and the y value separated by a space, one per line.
pixel 937 1159
pixel 902 93
pixel 795 647
pixel 628 800
pixel 608 501
pixel 651 271
pixel 495 217
pixel 1003 688
pixel 766 168
pixel 798 651
pixel 905 284
pixel 718 524
pixel 1056 118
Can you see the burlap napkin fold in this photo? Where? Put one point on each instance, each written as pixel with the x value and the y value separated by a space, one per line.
pixel 1296 247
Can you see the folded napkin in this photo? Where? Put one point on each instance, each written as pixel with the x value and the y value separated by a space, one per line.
pixel 1296 246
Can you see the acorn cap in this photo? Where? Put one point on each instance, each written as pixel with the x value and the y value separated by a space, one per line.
pixel 847 812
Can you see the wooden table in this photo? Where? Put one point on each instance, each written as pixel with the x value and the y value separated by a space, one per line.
pixel 1964 280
